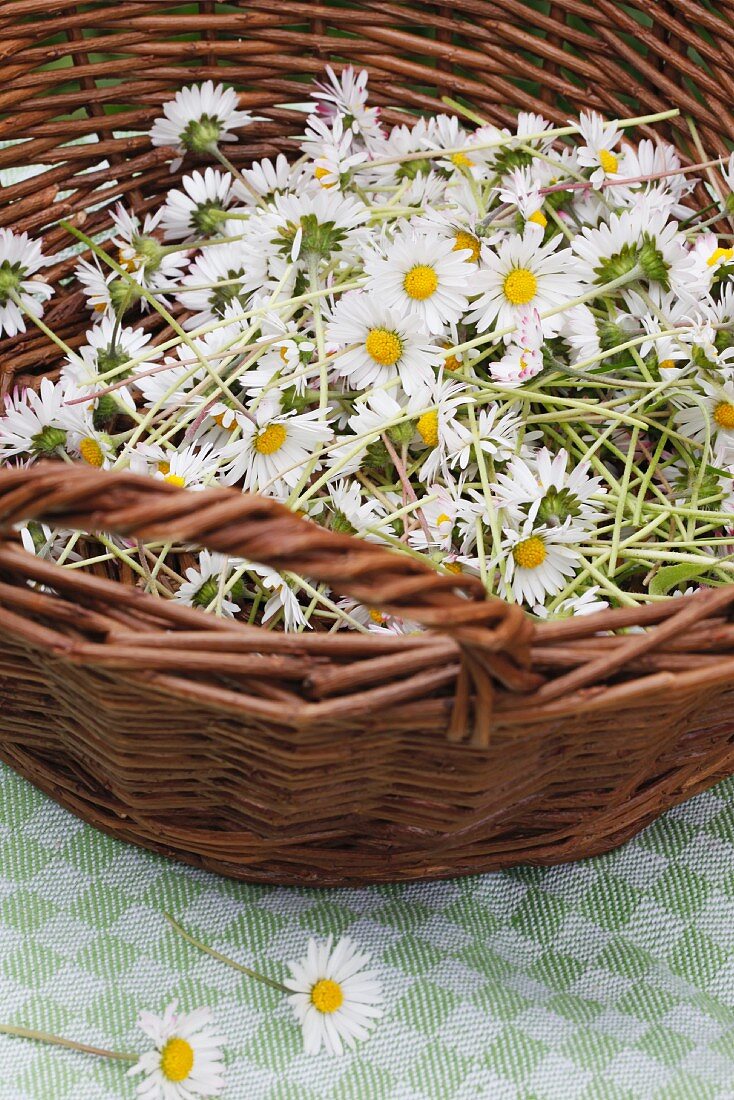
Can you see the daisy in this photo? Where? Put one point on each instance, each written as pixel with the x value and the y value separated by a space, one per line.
pixel 186 1060
pixel 91 446
pixel 537 561
pixel 380 343
pixel 585 604
pixel 192 467
pixel 650 158
pixel 437 427
pixel 315 225
pixel 202 585
pixel 330 149
pixel 351 514
pixel 523 358
pixel 423 275
pixel 200 208
pixel 520 275
pixel 197 119
pixel 36 423
pixel 109 346
pixel 440 516
pixel 21 290
pixel 272 450
pixel 222 276
pixel 103 290
pixel 714 414
pixel 141 254
pixel 601 139
pixel 446 132
pixel 497 435
pixel 335 999
pixel 281 598
pixel 346 96
pixel 544 489
pixel 267 178
pixel 521 190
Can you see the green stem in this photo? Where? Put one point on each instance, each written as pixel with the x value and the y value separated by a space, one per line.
pixel 225 959
pixel 69 1044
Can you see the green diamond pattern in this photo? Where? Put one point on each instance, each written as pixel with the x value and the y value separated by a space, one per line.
pixel 611 979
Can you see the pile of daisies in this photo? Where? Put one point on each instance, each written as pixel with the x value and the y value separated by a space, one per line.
pixel 510 353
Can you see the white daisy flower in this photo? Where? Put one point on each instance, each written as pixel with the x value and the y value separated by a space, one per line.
pixel 386 342
pixel 440 516
pixel 109 345
pixel 198 118
pixel 522 190
pixel 335 999
pixel 523 358
pixel 585 604
pixel 281 598
pixel 191 467
pixel 186 1061
pixel 601 139
pixel 537 561
pixel 267 178
pixel 322 224
pixel 714 414
pixel 497 435
pixel 36 423
pixel 650 158
pixel 330 149
pixel 140 252
pixel 438 429
pixel 222 277
pixel 202 584
pixel 20 259
pixel 270 454
pixel 346 95
pixel 98 287
pixel 520 275
pixel 544 489
pixel 200 208
pixel 352 514
pixel 423 275
pixel 446 132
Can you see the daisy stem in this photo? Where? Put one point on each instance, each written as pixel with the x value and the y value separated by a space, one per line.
pixel 72 355
pixel 513 139
pixel 225 959
pixel 622 501
pixel 69 1044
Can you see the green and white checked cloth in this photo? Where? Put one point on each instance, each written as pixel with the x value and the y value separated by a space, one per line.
pixel 611 979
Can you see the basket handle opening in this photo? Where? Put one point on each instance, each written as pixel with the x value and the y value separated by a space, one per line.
pixel 493 636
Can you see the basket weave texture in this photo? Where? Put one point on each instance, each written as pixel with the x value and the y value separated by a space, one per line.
pixel 312 758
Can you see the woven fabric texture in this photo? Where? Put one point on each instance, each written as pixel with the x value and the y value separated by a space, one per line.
pixel 610 979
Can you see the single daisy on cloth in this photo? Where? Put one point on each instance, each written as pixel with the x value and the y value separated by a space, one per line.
pixel 186 1060
pixel 335 999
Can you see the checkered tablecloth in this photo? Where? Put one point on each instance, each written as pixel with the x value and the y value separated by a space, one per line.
pixel 602 980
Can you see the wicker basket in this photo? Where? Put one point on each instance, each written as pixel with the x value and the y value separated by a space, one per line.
pixel 321 759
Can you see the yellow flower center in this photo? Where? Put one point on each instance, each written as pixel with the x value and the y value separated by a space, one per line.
pixel 385 347
pixel 451 363
pixel 164 467
pixel 420 282
pixel 608 161
pixel 452 567
pixel 463 239
pixel 127 263
pixel 219 418
pixel 91 451
pixel 718 254
pixel 428 428
pixel 99 307
pixel 520 286
pixel 271 439
pixel 177 1060
pixel 175 479
pixel 530 553
pixel 461 160
pixel 443 518
pixel 321 174
pixel 539 218
pixel 667 364
pixel 724 415
pixel 327 996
